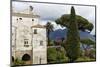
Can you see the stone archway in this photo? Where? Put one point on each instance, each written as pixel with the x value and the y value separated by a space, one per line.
pixel 26 57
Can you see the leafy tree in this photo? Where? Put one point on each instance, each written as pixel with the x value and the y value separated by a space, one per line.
pixel 55 55
pixel 61 55
pixel 51 54
pixel 83 24
pixel 87 43
pixel 49 28
pixel 89 26
pixel 92 53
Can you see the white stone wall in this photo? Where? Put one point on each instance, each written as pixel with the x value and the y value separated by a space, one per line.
pixel 13 40
pixel 39 51
pixel 22 29
pixel 25 21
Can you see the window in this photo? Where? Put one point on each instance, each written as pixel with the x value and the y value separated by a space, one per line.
pixel 20 18
pixel 35 31
pixel 26 43
pixel 41 43
pixel 32 19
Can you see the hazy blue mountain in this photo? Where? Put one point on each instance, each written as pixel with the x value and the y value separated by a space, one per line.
pixel 62 34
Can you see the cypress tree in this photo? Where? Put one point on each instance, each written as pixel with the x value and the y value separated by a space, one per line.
pixel 73 39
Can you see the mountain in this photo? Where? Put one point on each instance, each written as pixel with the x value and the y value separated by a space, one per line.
pixel 62 34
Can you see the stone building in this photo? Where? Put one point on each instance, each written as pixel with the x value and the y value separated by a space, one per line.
pixel 29 42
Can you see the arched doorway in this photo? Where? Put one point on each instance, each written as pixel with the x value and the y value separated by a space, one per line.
pixel 12 59
pixel 26 57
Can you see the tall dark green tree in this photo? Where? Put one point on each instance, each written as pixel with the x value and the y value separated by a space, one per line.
pixel 73 40
pixel 49 28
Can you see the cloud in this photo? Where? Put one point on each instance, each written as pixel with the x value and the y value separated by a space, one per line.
pixel 50 12
pixel 56 26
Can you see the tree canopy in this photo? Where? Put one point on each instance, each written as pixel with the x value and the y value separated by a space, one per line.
pixel 83 24
pixel 88 42
pixel 49 28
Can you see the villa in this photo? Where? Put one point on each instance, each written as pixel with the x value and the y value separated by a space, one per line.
pixel 29 41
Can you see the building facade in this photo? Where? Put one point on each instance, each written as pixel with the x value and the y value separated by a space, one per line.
pixel 29 41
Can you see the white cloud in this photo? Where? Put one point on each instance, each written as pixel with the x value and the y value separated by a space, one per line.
pixel 53 11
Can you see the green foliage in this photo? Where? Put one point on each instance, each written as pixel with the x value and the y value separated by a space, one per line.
pixel 89 26
pixel 84 59
pixel 51 43
pixel 18 62
pixel 87 42
pixel 61 55
pixel 83 24
pixel 73 40
pixel 74 23
pixel 49 28
pixel 81 53
pixel 51 54
pixel 56 55
pixel 92 53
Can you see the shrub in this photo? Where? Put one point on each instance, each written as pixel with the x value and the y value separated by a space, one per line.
pixel 55 55
pixel 51 54
pixel 18 62
pixel 84 59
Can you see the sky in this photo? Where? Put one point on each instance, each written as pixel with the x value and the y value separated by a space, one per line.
pixel 50 12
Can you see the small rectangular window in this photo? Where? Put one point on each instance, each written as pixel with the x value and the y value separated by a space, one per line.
pixel 35 31
pixel 32 19
pixel 26 43
pixel 41 43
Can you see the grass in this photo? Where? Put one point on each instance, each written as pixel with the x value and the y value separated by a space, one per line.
pixel 84 59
